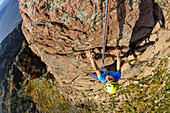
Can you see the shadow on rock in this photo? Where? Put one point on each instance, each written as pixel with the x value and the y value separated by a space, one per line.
pixel 150 14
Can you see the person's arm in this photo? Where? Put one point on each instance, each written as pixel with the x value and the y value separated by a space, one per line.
pixel 94 64
pixel 118 64
pixel 96 68
pixel 118 60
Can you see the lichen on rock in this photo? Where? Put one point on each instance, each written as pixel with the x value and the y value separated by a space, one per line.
pixel 59 30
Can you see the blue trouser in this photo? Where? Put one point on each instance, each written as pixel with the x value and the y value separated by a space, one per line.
pixel 94 75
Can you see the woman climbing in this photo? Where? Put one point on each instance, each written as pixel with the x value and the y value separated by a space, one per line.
pixel 109 78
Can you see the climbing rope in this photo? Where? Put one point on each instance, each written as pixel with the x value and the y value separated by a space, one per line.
pixel 105 32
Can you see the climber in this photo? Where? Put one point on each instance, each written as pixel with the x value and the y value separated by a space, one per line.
pixel 109 78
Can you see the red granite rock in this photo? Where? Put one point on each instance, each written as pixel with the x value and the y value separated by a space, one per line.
pixel 58 29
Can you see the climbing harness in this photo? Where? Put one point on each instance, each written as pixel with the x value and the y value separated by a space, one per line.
pixel 105 32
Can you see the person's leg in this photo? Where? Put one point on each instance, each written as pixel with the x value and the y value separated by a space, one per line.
pixel 103 69
pixel 94 75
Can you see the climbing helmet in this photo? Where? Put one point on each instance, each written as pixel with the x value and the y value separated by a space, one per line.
pixel 111 87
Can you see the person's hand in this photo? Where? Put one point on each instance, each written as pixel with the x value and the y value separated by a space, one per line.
pixel 90 55
pixel 117 52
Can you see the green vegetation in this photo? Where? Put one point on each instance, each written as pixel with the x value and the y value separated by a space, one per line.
pixel 46 96
pixel 150 94
pixel 156 39
pixel 167 41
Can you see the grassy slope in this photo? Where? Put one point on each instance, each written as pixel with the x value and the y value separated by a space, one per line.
pixel 149 93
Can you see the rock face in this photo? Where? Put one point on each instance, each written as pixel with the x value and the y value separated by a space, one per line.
pixel 58 30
